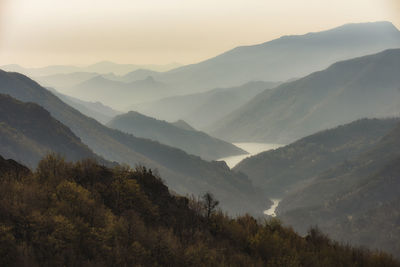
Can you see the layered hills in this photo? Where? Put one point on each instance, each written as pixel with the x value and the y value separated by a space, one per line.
pixel 203 109
pixel 29 132
pixel 189 140
pixel 184 173
pixel 349 90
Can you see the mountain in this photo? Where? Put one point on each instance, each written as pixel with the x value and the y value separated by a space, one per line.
pixel 368 86
pixel 202 109
pixel 191 141
pixel 95 110
pixel 356 201
pixel 29 132
pixel 139 74
pixel 183 125
pixel 284 58
pixel 120 94
pixel 103 67
pixel 285 169
pixel 184 173
pixel 84 214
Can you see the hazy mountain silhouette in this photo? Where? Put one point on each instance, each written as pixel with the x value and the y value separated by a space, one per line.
pixel 202 109
pixel 362 87
pixel 29 132
pixel 356 201
pixel 284 58
pixel 120 94
pixel 287 168
pixel 103 67
pixel 95 110
pixel 139 74
pixel 184 173
pixel 64 80
pixel 191 141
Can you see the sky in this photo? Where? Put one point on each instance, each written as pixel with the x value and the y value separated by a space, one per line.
pixel 36 33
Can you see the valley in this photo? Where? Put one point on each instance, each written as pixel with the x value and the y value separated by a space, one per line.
pixel 281 152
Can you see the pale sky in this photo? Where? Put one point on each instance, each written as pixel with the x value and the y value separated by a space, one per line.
pixel 44 32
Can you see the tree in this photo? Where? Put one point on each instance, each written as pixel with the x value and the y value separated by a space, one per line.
pixel 210 204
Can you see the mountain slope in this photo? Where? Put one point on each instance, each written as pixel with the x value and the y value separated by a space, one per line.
pixel 95 110
pixel 193 142
pixel 28 132
pixel 362 87
pixel 284 58
pixel 184 173
pixel 183 125
pixel 356 201
pixel 202 109
pixel 285 169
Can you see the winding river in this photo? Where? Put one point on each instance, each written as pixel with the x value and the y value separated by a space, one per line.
pixel 253 149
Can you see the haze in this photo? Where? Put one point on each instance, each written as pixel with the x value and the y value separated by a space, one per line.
pixel 43 32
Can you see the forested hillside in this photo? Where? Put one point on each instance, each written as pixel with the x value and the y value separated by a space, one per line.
pixel 355 201
pixel 284 169
pixel 84 214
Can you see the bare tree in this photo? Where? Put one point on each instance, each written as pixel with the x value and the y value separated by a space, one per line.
pixel 210 203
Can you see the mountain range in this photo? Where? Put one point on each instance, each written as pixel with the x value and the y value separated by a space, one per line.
pixel 284 58
pixel 280 59
pixel 103 67
pixel 189 140
pixel 203 109
pixel 118 94
pixel 184 173
pixel 348 90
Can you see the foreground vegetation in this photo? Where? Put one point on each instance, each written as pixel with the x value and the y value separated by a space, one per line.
pixel 84 214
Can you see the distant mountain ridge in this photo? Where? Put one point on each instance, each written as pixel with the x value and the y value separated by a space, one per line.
pixel 202 109
pixel 118 94
pixel 348 90
pixel 102 67
pixel 284 58
pixel 95 110
pixel 191 141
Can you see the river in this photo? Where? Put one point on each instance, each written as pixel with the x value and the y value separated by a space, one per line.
pixel 271 210
pixel 252 148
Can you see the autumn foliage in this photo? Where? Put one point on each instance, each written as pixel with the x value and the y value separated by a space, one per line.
pixel 85 214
